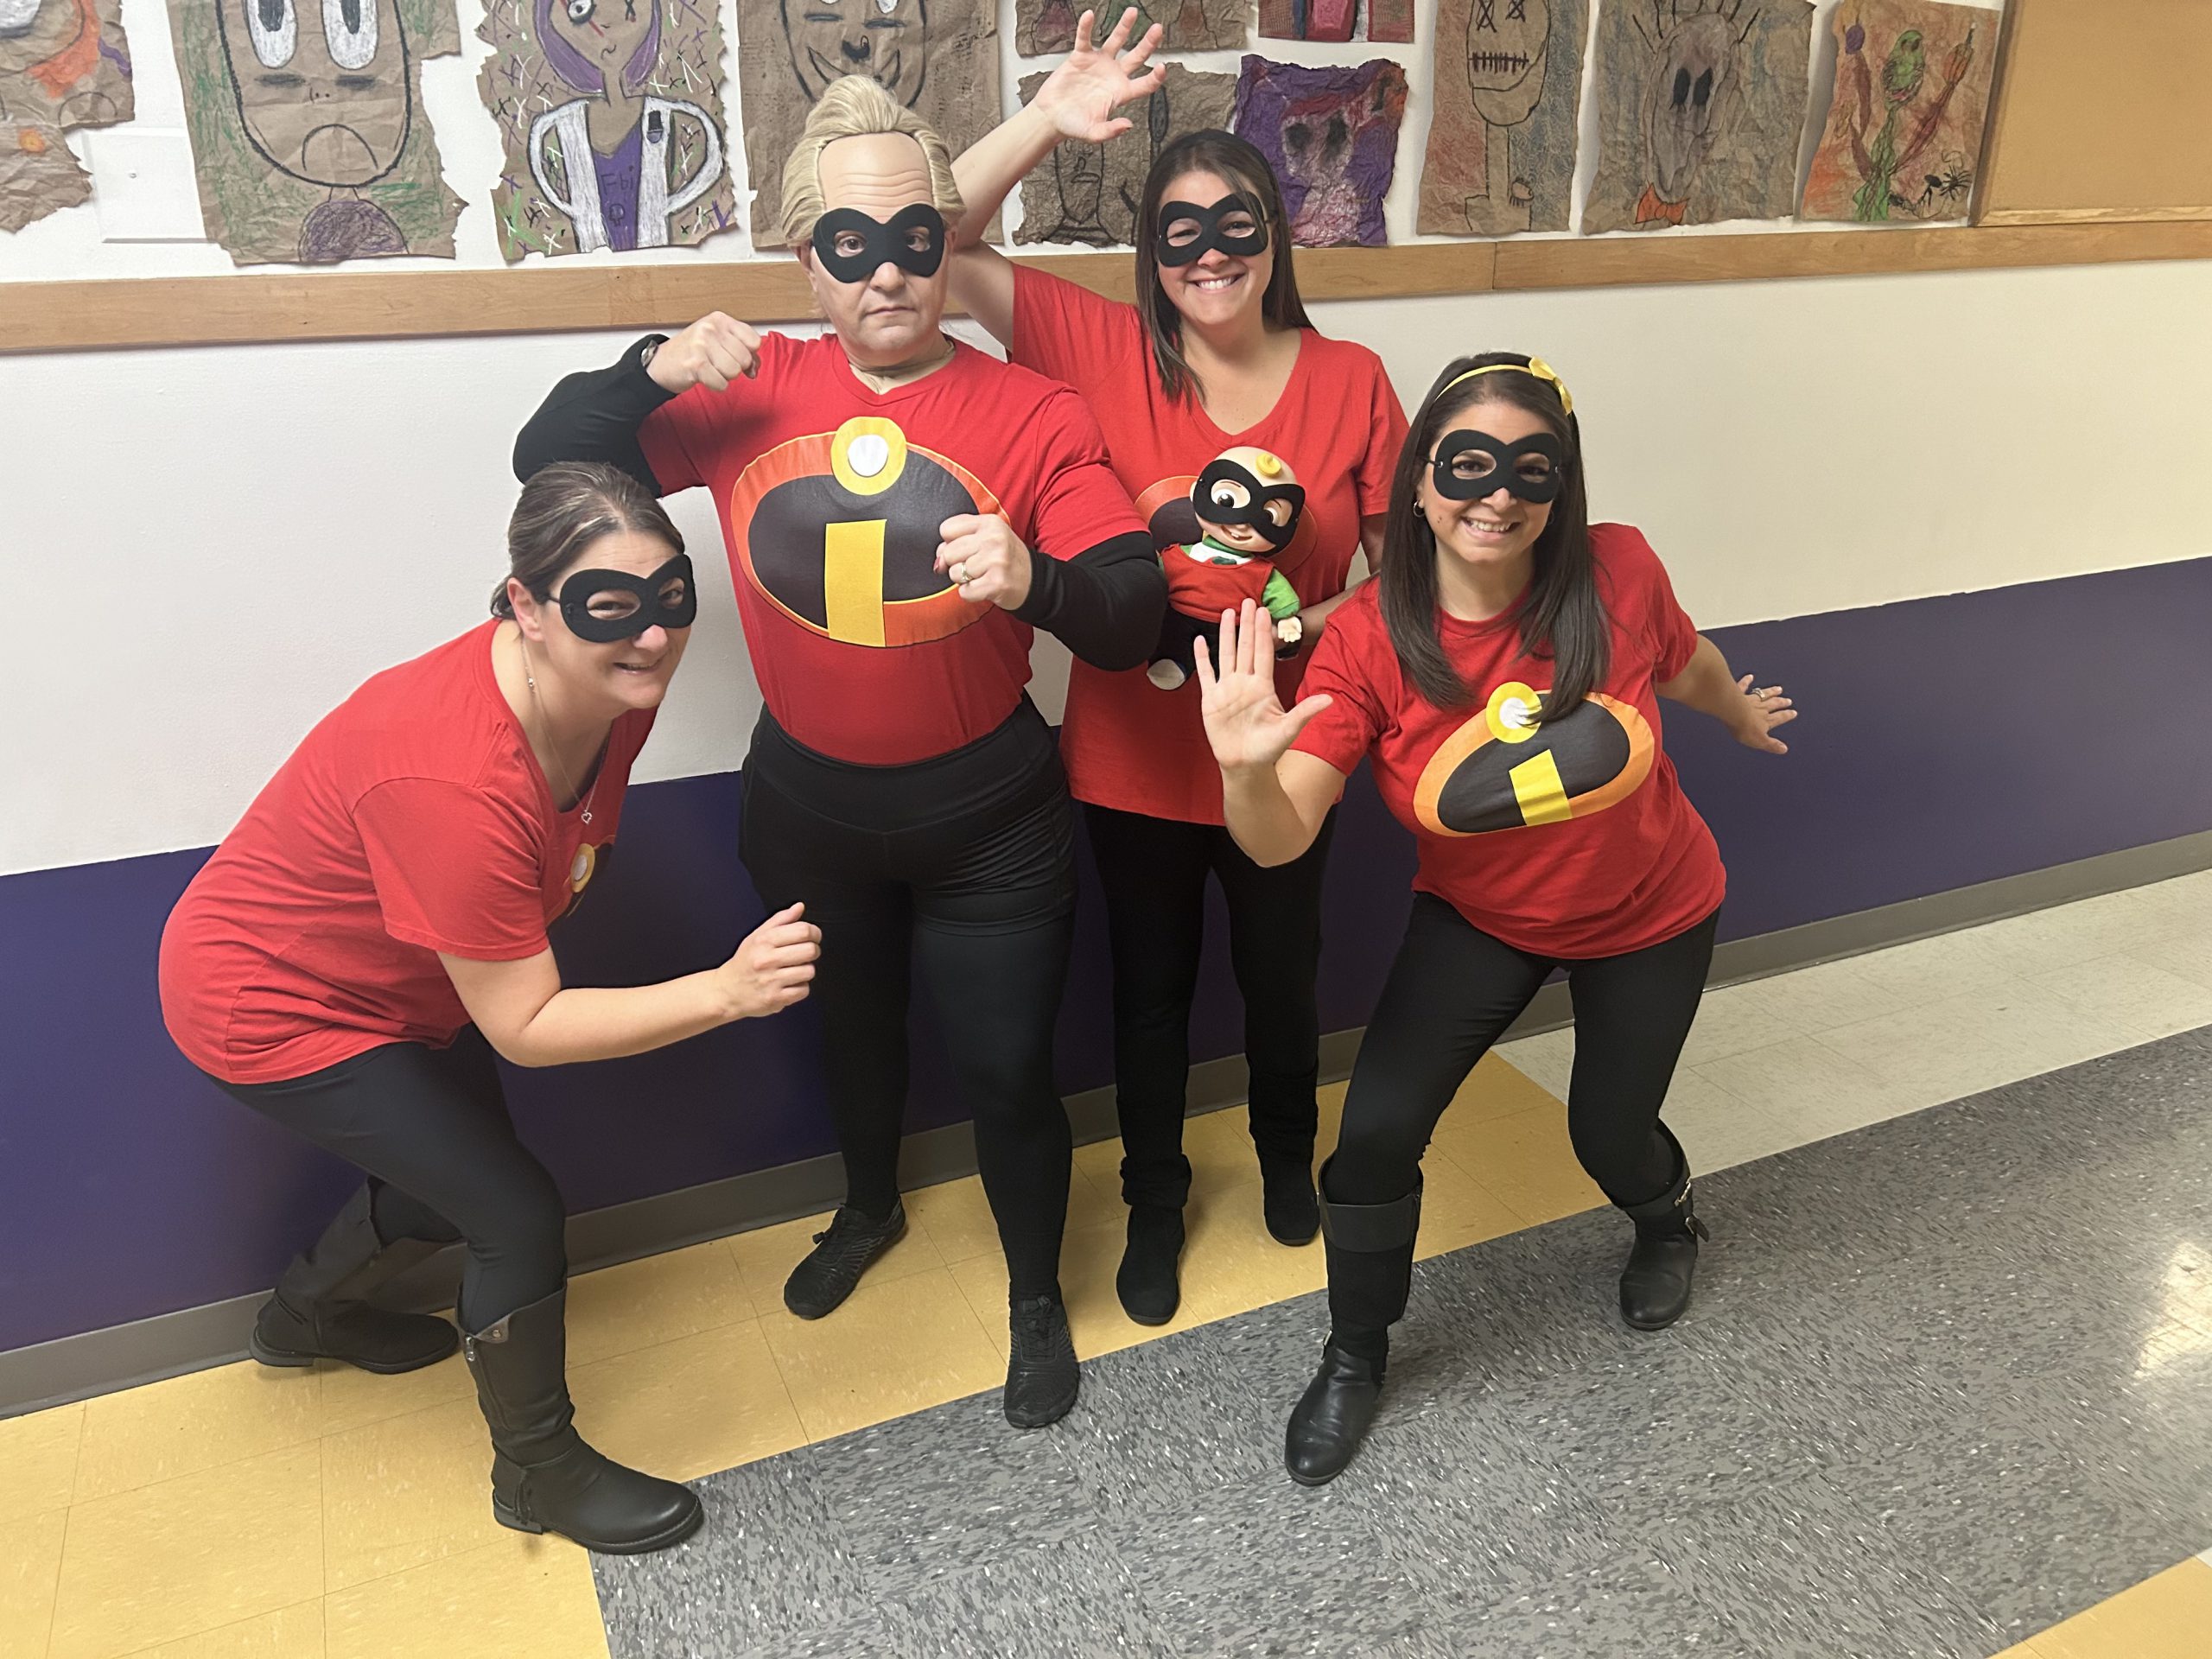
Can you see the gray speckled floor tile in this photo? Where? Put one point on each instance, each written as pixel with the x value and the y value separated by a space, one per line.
pixel 1947 1379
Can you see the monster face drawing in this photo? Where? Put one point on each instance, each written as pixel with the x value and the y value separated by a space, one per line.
pixel 322 86
pixel 886 40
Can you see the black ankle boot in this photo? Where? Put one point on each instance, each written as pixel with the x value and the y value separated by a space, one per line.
pixel 544 1478
pixel 1042 1378
pixel 1287 1200
pixel 1656 1283
pixel 1146 1283
pixel 317 1311
pixel 1370 1249
pixel 841 1255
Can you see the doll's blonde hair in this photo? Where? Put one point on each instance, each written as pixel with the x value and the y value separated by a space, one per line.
pixel 853 106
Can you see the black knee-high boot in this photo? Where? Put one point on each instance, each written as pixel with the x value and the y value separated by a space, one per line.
pixel 1656 1283
pixel 318 1311
pixel 1370 1252
pixel 544 1478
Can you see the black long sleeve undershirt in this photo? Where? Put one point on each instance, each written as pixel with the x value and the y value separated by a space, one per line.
pixel 594 416
pixel 1105 604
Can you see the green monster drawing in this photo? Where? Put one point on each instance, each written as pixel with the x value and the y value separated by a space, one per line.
pixel 1903 73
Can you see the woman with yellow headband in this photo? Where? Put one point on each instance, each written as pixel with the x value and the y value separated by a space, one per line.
pixel 1504 675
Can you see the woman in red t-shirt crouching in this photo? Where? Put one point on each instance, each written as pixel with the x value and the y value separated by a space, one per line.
pixel 374 929
pixel 1503 675
pixel 1217 355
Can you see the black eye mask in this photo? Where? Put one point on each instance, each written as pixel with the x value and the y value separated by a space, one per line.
pixel 1252 514
pixel 1504 468
pixel 639 607
pixel 1243 244
pixel 886 244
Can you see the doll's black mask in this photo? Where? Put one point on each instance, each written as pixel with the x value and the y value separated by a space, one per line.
pixel 1227 493
pixel 1472 465
pixel 913 241
pixel 606 606
pixel 1186 230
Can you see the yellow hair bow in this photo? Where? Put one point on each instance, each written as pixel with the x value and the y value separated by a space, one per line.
pixel 1535 367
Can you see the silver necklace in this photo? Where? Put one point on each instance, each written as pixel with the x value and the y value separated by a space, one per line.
pixel 568 783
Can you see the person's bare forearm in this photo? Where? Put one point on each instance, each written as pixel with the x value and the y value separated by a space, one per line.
pixel 1262 818
pixel 608 1022
pixel 987 170
pixel 1705 684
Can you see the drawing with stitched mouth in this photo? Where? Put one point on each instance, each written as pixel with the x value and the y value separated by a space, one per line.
pixel 307 127
pixel 1501 142
pixel 939 58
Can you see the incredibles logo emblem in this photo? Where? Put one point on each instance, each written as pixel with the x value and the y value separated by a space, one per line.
pixel 839 532
pixel 1504 771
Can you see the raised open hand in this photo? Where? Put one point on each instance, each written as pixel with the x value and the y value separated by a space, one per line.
pixel 1081 96
pixel 1245 721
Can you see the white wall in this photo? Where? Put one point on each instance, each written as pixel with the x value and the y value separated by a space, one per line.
pixel 206 550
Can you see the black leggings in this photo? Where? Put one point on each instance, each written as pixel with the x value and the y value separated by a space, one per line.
pixel 430 1127
pixel 966 862
pixel 1453 989
pixel 1154 873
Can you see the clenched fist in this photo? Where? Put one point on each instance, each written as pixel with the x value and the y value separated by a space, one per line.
pixel 772 968
pixel 711 353
pixel 985 559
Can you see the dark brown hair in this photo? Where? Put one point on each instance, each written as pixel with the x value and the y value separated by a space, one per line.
pixel 1246 170
pixel 1563 617
pixel 564 509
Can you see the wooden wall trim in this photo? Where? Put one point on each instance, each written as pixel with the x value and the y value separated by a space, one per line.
pixel 103 315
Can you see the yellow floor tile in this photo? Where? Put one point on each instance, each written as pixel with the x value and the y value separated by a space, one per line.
pixel 190 1554
pixel 1457 1211
pixel 199 1421
pixel 352 1398
pixel 30 1568
pixel 1526 1159
pixel 766 1256
pixel 287 1633
pixel 38 1460
pixel 654 1300
pixel 1496 1089
pixel 517 1596
pixel 408 1490
pixel 2168 1617
pixel 890 1350
pixel 690 1408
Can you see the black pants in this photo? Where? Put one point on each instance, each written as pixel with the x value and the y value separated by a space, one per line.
pixel 1154 873
pixel 965 863
pixel 1453 989
pixel 430 1127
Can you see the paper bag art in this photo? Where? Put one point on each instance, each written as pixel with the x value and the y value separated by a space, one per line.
pixel 1912 84
pixel 1331 136
pixel 1501 138
pixel 307 124
pixel 1045 28
pixel 612 114
pixel 1090 193
pixel 1700 110
pixel 1333 19
pixel 939 58
pixel 63 65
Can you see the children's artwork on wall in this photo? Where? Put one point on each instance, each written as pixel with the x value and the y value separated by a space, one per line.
pixel 939 58
pixel 307 124
pixel 1090 193
pixel 1501 138
pixel 1332 135
pixel 612 114
pixel 1044 27
pixel 1700 110
pixel 64 64
pixel 1913 83
pixel 1333 20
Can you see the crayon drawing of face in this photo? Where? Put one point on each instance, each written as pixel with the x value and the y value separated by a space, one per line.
pixel 326 97
pixel 885 40
pixel 592 44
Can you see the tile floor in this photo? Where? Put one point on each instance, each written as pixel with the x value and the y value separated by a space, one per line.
pixel 239 1511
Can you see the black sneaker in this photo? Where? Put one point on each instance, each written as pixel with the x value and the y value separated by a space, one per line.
pixel 1042 1378
pixel 840 1256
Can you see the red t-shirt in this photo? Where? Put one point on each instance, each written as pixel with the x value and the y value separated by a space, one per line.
pixel 413 819
pixel 1203 588
pixel 830 497
pixel 1127 743
pixel 1571 840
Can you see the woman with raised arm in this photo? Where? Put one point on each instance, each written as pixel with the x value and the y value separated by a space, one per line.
pixel 1214 372
pixel 1503 675
pixel 374 930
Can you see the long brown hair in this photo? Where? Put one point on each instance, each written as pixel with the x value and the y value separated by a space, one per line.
pixel 1236 159
pixel 564 509
pixel 1563 617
